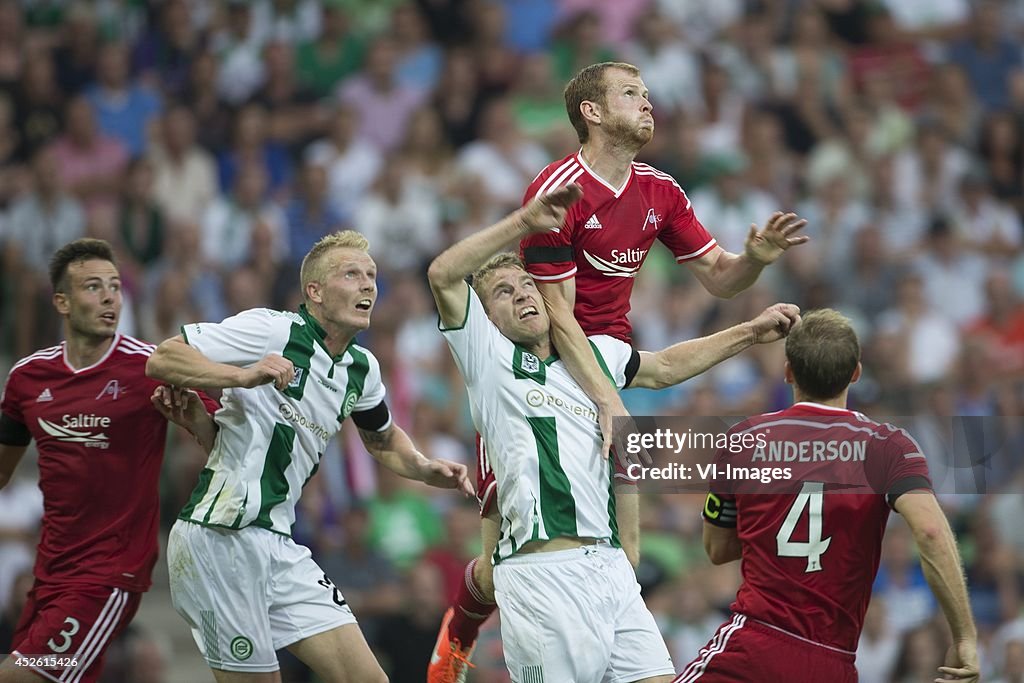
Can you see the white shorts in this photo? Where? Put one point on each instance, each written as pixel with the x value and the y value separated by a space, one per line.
pixel 247 593
pixel 576 616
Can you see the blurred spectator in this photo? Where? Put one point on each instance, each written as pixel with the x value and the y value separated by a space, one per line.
pixel 77 53
pixel 382 102
pixel 286 21
pixel 900 582
pixel 294 113
pixel 21 511
pixel 124 109
pixel 926 342
pixel 419 60
pixel 889 61
pixel 37 225
pixel 163 53
pixel 335 53
pixel 579 43
pixel 459 98
pixel 1001 326
pixel 12 170
pixel 772 168
pixel 928 19
pixel 309 215
pixel 879 645
pixel 425 155
pixel 502 157
pixel 953 277
pixel 461 544
pixel 983 223
pixel 988 56
pixel 717 110
pixel 142 226
pixel 528 24
pixel 185 175
pixel 352 164
pixel 230 222
pixel 238 48
pixel 701 22
pixel 1001 150
pixel 834 217
pixel 12 43
pixel 38 105
pixel 920 649
pixel 404 230
pixel 537 101
pixel 251 144
pixel 617 20
pixel 866 280
pixel 810 52
pixel 730 204
pixel 927 175
pixel 952 105
pixel 406 639
pixel 203 99
pixel 669 67
pixel 403 524
pixel 90 163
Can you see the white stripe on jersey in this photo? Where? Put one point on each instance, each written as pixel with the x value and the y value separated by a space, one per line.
pixel 44 354
pixel 137 344
pixel 562 276
pixel 694 254
pixel 696 669
pixel 554 174
pixel 810 423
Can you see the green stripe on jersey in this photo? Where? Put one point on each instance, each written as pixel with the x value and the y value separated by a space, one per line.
pixel 197 493
pixel 600 361
pixel 299 351
pixel 557 506
pixel 356 381
pixel 273 483
pixel 613 520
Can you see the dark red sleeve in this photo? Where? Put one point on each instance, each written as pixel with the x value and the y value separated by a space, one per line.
pixel 10 402
pixel 683 234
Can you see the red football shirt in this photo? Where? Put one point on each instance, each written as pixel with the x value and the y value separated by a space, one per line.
pixel 810 558
pixel 606 237
pixel 101 443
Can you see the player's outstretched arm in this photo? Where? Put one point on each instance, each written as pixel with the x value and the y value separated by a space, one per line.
pixel 943 570
pixel 393 448
pixel 687 359
pixel 574 350
pixel 186 409
pixel 177 363
pixel 448 272
pixel 725 275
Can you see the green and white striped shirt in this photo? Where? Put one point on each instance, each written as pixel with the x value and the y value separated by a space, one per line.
pixel 270 442
pixel 541 434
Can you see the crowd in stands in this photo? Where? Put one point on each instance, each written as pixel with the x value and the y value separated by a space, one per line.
pixel 214 141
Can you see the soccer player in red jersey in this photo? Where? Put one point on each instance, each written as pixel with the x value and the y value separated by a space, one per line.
pixel 100 434
pixel 585 267
pixel 810 553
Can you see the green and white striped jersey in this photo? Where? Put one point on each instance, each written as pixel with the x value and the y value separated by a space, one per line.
pixel 270 442
pixel 541 434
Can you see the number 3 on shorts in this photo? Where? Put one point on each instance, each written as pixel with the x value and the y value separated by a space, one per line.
pixel 66 634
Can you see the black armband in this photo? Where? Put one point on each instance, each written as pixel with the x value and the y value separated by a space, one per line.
pixel 913 483
pixel 533 255
pixel 719 512
pixel 12 432
pixel 373 420
pixel 632 367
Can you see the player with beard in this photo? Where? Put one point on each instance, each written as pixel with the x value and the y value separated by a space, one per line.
pixel 585 267
pixel 100 427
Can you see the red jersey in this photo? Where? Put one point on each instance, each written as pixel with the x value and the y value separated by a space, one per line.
pixel 606 237
pixel 101 443
pixel 810 556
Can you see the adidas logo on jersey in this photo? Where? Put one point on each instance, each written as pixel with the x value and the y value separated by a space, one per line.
pixel 592 223
pixel 45 396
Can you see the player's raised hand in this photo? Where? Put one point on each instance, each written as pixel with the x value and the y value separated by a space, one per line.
pixel 961 663
pixel 272 368
pixel 181 406
pixel 445 474
pixel 548 210
pixel 775 322
pixel 779 234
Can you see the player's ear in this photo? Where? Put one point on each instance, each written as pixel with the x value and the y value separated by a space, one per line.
pixel 788 373
pixel 856 374
pixel 60 302
pixel 591 111
pixel 313 292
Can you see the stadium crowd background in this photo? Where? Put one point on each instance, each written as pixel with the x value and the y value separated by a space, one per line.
pixel 214 141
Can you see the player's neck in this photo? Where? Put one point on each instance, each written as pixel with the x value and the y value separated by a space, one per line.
pixel 611 162
pixel 82 351
pixel 836 402
pixel 541 348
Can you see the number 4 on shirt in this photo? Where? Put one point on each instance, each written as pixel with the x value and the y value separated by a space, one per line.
pixel 811 497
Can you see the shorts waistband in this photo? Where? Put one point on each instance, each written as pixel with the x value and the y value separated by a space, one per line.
pixel 602 547
pixel 765 627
